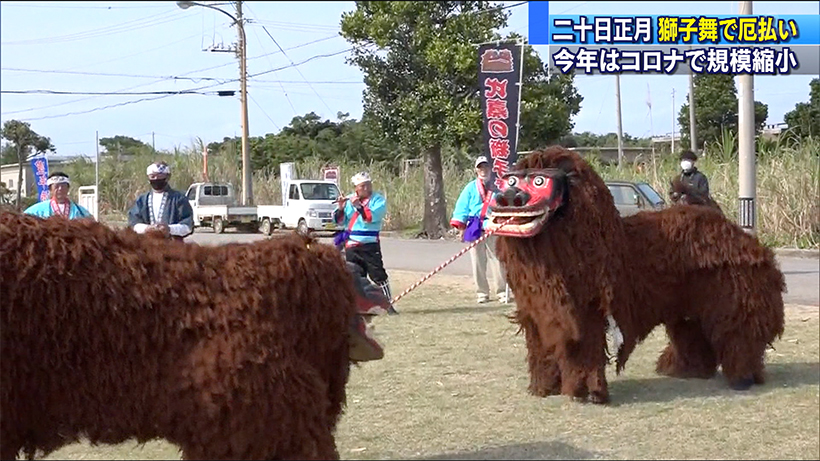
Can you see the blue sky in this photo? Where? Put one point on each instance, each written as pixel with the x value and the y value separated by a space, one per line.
pixel 147 44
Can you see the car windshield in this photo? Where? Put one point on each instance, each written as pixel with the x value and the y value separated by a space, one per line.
pixel 319 191
pixel 650 193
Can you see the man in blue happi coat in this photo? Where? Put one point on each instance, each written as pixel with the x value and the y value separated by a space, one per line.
pixel 162 209
pixel 59 204
pixel 361 214
pixel 469 217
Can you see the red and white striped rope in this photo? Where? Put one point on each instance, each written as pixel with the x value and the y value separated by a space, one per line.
pixel 449 261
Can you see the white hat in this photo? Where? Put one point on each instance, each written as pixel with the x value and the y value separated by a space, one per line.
pixel 359 178
pixel 58 178
pixel 480 160
pixel 158 168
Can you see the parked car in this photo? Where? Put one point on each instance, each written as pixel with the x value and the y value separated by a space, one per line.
pixel 308 207
pixel 632 197
pixel 215 206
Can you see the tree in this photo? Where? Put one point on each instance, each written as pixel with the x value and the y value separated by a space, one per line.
pixel 716 108
pixel 419 65
pixel 804 120
pixel 124 145
pixel 23 140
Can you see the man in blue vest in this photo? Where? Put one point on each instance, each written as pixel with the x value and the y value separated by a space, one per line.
pixel 162 209
pixel 470 216
pixel 361 214
pixel 59 204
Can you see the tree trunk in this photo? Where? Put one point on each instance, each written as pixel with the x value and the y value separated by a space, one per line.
pixel 435 209
pixel 19 176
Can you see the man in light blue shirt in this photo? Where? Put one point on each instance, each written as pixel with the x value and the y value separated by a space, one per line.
pixel 59 204
pixel 361 214
pixel 470 216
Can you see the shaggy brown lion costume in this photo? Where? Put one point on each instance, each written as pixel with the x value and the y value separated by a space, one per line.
pixel 240 351
pixel 572 261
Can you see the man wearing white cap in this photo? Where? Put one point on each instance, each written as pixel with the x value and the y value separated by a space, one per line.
pixel 361 214
pixel 59 205
pixel 469 216
pixel 162 209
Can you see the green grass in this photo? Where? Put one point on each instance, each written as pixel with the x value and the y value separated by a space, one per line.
pixel 453 385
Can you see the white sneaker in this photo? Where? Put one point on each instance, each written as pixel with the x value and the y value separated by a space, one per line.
pixel 483 299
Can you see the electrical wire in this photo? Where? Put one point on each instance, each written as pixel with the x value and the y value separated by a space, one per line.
pixel 263 111
pixel 63 5
pixel 168 95
pixel 280 83
pixel 162 79
pixel 103 93
pixel 135 24
pixel 297 69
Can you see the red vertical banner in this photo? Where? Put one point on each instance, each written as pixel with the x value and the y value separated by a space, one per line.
pixel 499 78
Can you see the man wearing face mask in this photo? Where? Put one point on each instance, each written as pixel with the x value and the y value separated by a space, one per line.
pixel 469 217
pixel 162 209
pixel 690 174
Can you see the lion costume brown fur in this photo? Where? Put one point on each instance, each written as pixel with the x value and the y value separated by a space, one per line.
pixel 231 352
pixel 571 261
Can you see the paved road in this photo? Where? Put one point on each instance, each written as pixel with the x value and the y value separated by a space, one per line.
pixel 802 274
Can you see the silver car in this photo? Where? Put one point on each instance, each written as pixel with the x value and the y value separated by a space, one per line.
pixel 632 197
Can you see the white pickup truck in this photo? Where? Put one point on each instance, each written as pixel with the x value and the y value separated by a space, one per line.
pixel 215 206
pixel 308 206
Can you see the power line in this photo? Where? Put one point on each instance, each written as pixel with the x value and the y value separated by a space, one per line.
pixel 303 62
pixel 174 77
pixel 63 5
pixel 103 74
pixel 167 95
pixel 96 108
pixel 297 69
pixel 110 106
pixel 280 83
pixel 135 24
pixel 263 111
pixel 162 79
pixel 104 93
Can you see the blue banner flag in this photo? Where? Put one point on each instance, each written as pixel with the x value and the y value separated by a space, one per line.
pixel 39 166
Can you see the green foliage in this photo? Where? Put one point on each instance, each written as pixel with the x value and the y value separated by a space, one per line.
pixel 124 145
pixel 804 120
pixel 22 140
pixel 716 109
pixel 588 139
pixel 421 69
pixel 308 136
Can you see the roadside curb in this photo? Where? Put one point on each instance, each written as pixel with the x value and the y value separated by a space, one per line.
pixel 783 252
pixel 797 253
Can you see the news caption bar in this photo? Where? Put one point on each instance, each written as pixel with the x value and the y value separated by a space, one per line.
pixel 656 44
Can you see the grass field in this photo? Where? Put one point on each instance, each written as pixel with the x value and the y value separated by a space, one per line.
pixel 453 385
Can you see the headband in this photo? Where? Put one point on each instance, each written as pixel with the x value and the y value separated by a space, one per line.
pixel 57 180
pixel 360 178
pixel 156 168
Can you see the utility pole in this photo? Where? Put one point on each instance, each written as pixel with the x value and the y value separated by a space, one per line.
pixel 153 144
pixel 746 144
pixel 247 192
pixel 692 132
pixel 620 126
pixel 247 185
pixel 673 121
